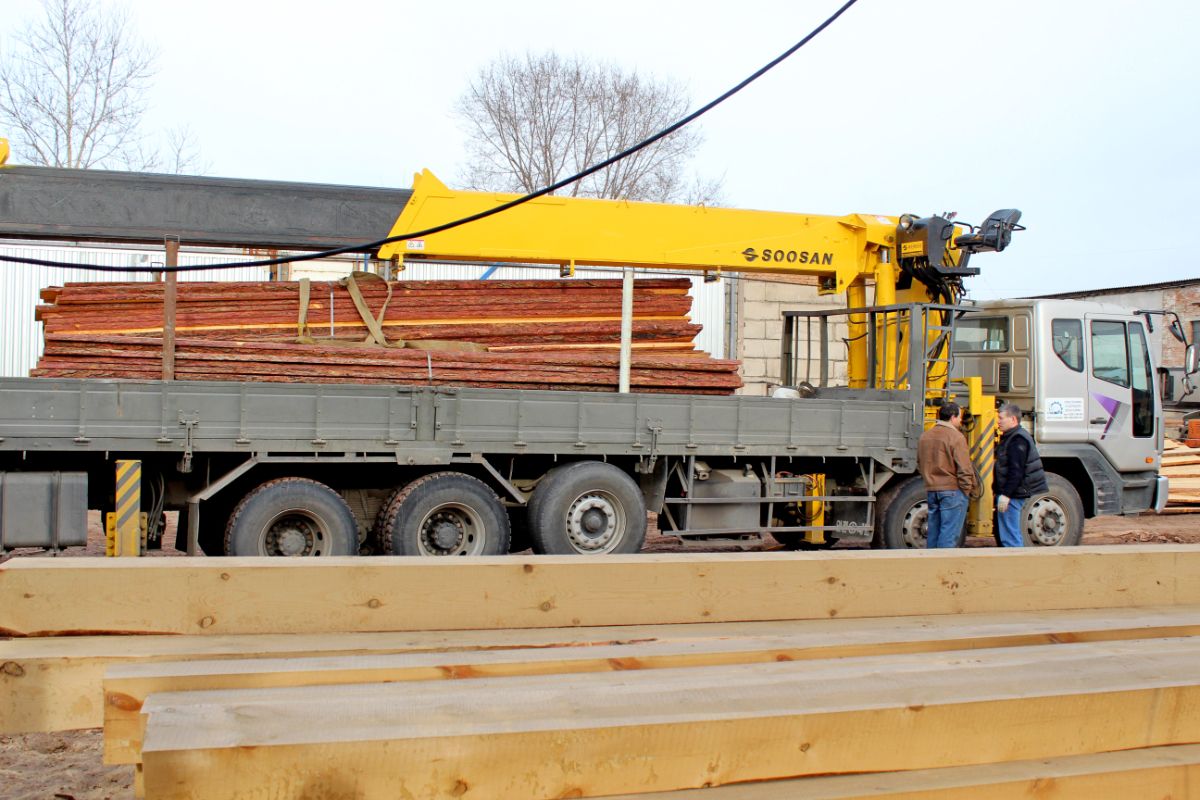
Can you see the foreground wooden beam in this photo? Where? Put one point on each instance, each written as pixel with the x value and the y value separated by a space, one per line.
pixel 1160 772
pixel 587 735
pixel 237 595
pixel 53 683
pixel 126 688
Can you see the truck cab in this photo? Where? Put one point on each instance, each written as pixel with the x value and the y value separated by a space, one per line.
pixel 1084 375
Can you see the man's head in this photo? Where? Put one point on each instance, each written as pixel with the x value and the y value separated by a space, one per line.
pixel 1009 416
pixel 950 412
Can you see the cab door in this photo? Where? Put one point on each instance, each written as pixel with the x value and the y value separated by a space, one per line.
pixel 1062 379
pixel 1121 419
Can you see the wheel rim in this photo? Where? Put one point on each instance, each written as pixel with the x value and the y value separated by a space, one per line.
pixel 451 530
pixel 1047 521
pixel 596 522
pixel 295 533
pixel 914 528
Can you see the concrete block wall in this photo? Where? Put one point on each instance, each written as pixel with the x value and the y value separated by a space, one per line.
pixel 761 301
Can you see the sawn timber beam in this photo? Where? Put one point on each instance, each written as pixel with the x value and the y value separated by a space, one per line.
pixel 127 688
pixel 590 735
pixel 247 595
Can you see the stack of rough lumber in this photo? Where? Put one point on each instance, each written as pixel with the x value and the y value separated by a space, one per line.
pixel 499 313
pixel 1181 465
pixel 898 674
pixel 90 356
pixel 504 334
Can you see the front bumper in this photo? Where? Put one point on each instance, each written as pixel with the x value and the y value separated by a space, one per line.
pixel 1161 490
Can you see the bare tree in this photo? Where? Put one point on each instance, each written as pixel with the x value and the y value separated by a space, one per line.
pixel 534 120
pixel 73 85
pixel 179 155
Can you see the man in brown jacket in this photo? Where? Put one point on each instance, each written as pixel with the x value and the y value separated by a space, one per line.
pixel 945 466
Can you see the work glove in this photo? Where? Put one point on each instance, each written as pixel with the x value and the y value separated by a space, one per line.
pixel 1002 504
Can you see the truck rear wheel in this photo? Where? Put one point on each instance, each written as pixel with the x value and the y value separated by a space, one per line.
pixel 587 508
pixel 444 514
pixel 902 516
pixel 292 517
pixel 1053 518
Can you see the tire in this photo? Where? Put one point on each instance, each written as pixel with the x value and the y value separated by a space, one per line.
pixel 1053 518
pixel 292 517
pixel 902 517
pixel 444 514
pixel 587 508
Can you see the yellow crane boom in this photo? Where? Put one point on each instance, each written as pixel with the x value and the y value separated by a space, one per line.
pixel 842 252
pixel 909 259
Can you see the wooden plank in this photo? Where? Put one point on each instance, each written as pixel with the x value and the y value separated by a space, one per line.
pixel 54 683
pixel 127 687
pixel 255 595
pixel 588 735
pixel 1161 772
pixel 1184 485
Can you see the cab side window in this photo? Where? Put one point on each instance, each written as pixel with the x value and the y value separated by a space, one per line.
pixel 1142 382
pixel 981 335
pixel 1067 338
pixel 1110 353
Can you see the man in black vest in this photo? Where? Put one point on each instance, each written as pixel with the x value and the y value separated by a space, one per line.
pixel 1019 474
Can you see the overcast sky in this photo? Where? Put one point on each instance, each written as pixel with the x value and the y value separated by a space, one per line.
pixel 1084 115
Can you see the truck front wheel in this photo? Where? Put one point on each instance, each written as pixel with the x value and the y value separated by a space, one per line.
pixel 1054 518
pixel 292 517
pixel 587 508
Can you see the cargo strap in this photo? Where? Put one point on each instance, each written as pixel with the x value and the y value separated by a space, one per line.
pixel 302 334
pixel 375 334
pixel 374 326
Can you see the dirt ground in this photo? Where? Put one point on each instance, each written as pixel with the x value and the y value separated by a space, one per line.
pixel 68 766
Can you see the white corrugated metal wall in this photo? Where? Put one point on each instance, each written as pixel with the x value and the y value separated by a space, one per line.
pixel 20 284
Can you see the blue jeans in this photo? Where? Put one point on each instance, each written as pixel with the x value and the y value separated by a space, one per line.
pixel 1010 524
pixel 947 513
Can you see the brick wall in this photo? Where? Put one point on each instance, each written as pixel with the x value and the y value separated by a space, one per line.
pixel 1184 301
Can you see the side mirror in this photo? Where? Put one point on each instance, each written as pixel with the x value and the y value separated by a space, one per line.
pixel 1190 365
pixel 1177 330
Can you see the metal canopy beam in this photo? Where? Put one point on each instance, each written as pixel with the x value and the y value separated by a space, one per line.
pixel 136 207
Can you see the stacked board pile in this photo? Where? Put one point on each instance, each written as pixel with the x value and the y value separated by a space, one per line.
pixel 1181 466
pixel 535 334
pixel 838 675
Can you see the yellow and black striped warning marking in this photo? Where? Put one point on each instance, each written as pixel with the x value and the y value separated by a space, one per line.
pixel 125 529
pixel 983 457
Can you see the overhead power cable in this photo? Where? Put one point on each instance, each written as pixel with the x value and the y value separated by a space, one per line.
pixel 369 246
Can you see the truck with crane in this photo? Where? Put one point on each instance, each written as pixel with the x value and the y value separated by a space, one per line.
pixel 314 469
